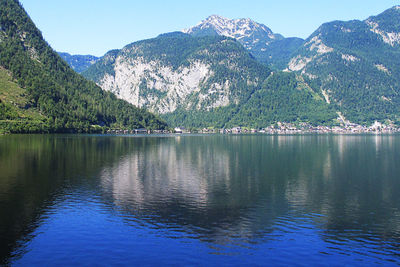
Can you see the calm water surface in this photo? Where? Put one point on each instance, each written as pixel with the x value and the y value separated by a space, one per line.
pixel 199 200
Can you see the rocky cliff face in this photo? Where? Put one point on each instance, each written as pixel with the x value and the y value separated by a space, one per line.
pixel 179 71
pixel 155 85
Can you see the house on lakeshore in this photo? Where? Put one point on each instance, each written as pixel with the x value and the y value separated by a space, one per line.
pixel 180 130
pixel 140 131
pixel 236 130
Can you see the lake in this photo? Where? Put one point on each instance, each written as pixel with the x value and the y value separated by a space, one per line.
pixel 209 200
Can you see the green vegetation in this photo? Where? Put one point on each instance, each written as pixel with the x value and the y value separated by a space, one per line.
pixel 361 73
pixel 62 100
pixel 214 118
pixel 16 111
pixel 284 98
pixel 278 53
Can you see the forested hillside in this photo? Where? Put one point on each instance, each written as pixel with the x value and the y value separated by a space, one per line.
pixel 65 101
pixel 355 64
pixel 284 97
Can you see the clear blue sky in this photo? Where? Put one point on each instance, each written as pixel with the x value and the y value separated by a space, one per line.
pixel 96 26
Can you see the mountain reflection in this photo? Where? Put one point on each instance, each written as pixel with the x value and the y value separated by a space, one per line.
pixel 223 190
pixel 240 186
pixel 36 171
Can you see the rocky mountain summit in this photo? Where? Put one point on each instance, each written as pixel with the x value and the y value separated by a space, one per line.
pixel 270 48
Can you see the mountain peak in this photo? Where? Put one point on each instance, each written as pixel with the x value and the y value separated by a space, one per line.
pixel 215 17
pixel 258 39
pixel 234 28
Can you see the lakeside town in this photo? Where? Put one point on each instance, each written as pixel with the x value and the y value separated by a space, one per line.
pixel 302 128
pixel 278 128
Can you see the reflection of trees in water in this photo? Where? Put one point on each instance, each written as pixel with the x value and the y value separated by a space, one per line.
pixel 218 188
pixel 358 190
pixel 364 194
pixel 215 186
pixel 37 170
pixel 239 185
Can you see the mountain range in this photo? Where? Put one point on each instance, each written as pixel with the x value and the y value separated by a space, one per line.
pixel 202 81
pixel 344 71
pixel 219 73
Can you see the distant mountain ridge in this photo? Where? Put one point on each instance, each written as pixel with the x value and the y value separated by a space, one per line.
pixel 267 47
pixel 79 63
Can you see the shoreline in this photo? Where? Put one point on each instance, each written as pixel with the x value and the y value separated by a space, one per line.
pixel 211 134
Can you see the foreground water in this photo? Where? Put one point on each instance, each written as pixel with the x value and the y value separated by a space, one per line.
pixel 199 200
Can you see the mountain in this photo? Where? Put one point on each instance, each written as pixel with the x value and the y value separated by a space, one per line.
pixel 41 93
pixel 177 72
pixel 78 63
pixel 266 46
pixel 354 64
pixel 194 81
pixel 209 76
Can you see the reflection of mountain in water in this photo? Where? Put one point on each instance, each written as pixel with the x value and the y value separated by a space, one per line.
pixel 219 189
pixel 39 170
pixel 239 186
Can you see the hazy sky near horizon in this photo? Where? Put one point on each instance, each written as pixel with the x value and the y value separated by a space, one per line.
pixel 97 26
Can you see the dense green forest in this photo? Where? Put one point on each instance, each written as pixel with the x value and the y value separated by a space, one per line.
pixel 360 70
pixel 283 97
pixel 66 101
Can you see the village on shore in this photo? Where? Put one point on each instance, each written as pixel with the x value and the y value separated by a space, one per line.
pixel 278 128
pixel 302 128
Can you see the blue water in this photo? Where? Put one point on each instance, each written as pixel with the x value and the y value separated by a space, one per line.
pixel 200 200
